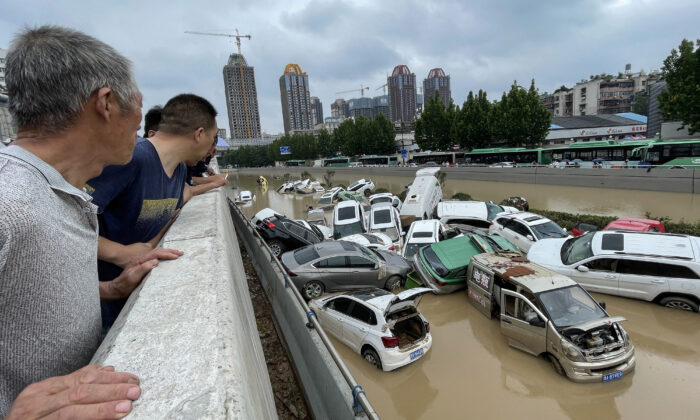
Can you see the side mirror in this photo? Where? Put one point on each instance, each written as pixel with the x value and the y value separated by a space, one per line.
pixel 536 322
pixel 602 304
pixel 582 268
pixel 530 238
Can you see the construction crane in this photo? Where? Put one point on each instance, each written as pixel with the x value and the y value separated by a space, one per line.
pixel 361 89
pixel 238 37
pixel 383 88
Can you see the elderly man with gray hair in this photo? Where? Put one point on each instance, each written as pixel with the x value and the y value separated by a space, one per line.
pixel 77 108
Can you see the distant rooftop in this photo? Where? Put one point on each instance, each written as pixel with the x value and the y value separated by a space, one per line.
pixel 593 121
pixel 237 59
pixel 400 69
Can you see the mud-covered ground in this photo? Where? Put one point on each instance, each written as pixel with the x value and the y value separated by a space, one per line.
pixel 289 398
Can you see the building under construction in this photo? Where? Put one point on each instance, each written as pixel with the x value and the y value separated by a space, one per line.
pixel 241 98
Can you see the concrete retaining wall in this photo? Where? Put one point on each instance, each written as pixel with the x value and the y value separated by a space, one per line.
pixel 326 390
pixel 189 330
pixel 668 180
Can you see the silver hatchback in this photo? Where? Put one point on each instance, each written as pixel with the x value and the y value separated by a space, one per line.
pixel 341 265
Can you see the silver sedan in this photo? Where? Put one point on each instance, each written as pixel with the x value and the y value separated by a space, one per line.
pixel 340 265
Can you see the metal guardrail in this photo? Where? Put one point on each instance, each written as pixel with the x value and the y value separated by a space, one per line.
pixel 358 395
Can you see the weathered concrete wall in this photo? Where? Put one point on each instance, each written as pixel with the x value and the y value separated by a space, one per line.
pixel 668 180
pixel 189 330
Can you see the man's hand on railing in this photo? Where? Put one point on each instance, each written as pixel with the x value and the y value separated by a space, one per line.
pixel 92 392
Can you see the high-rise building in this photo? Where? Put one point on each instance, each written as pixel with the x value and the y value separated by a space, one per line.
pixel 3 56
pixel 437 81
pixel 296 99
pixel 221 132
pixel 340 108
pixel 380 105
pixel 402 95
pixel 361 107
pixel 316 111
pixel 7 128
pixel 241 98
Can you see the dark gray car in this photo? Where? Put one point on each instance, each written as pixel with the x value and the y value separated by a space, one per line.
pixel 342 265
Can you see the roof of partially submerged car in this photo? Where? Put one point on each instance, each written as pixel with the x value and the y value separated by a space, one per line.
pixel 456 252
pixel 513 267
pixel 467 209
pixel 645 243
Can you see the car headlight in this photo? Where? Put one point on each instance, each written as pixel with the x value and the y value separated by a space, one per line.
pixel 625 337
pixel 571 352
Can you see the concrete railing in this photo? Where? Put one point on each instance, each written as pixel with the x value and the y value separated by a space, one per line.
pixel 330 389
pixel 189 330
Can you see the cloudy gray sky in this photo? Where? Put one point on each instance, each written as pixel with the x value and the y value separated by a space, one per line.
pixel 341 44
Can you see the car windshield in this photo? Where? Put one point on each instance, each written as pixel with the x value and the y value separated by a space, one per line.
pixel 305 254
pixel 381 200
pixel 391 232
pixel 493 210
pixel 316 231
pixel 434 262
pixel 381 217
pixel 422 235
pixel 346 213
pixel 577 249
pixel 354 186
pixel 412 248
pixel 340 231
pixel 570 306
pixel 548 230
pixel 325 200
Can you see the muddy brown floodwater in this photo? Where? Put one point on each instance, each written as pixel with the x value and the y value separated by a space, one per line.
pixel 471 372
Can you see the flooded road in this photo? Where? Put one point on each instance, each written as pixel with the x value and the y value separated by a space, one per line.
pixel 471 372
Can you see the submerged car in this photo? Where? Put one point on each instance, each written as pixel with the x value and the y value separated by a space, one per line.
pixel 282 234
pixel 384 218
pixel 330 196
pixel 443 266
pixel 547 314
pixel 385 198
pixel 386 329
pixel 636 224
pixel 340 265
pixel 524 229
pixel 471 213
pixel 372 241
pixel 656 267
pixel 348 219
pixel 362 186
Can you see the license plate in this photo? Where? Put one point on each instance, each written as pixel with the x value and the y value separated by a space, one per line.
pixel 612 376
pixel 416 353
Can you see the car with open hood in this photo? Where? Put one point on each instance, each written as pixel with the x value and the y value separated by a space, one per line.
pixel 386 329
pixel 341 265
pixel 547 314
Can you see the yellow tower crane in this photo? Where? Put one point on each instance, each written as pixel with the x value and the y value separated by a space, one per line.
pixel 238 37
pixel 362 90
pixel 383 88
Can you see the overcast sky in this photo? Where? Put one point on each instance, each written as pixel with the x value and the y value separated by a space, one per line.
pixel 342 44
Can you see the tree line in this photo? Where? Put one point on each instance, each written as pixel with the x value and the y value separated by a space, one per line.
pixel 518 119
pixel 352 137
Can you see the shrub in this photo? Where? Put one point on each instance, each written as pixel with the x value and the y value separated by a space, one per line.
pixel 462 197
pixel 380 190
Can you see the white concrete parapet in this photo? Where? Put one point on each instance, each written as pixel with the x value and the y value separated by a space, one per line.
pixel 189 330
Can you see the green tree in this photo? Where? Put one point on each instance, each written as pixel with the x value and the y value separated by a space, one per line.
pixel 432 129
pixel 681 100
pixel 526 120
pixel 386 141
pixel 325 144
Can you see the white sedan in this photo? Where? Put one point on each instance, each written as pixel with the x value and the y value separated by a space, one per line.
pixel 386 329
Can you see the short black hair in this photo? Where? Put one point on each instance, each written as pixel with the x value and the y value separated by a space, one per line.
pixel 186 113
pixel 152 120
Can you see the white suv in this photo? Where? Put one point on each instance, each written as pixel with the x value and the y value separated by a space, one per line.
pixel 656 267
pixel 386 329
pixel 524 229
pixel 421 233
pixel 362 186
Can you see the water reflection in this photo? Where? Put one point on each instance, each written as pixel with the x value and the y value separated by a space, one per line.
pixel 471 372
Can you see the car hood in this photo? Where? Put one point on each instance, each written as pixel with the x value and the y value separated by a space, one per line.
pixel 586 326
pixel 392 303
pixel 394 259
pixel 547 252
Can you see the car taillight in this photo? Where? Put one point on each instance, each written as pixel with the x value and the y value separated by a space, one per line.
pixel 270 224
pixel 289 272
pixel 390 342
pixel 391 248
pixel 427 327
pixel 490 223
pixel 439 283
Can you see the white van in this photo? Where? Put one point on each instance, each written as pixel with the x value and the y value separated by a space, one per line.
pixel 422 197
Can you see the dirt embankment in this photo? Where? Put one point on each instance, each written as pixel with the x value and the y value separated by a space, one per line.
pixel 289 398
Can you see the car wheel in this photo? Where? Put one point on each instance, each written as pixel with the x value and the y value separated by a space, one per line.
pixel 678 302
pixel 393 283
pixel 372 357
pixel 277 247
pixel 556 365
pixel 312 289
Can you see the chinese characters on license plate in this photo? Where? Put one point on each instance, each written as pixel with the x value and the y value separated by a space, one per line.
pixel 612 376
pixel 416 353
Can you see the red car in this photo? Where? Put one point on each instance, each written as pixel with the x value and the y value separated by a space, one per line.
pixel 638 225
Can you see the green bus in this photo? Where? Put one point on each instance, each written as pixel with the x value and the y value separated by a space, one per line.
pixel 670 154
pixel 520 155
pixel 374 160
pixel 294 162
pixel 339 161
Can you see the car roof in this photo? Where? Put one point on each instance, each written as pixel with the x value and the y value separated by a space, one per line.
pixel 519 270
pixel 456 252
pixel 462 209
pixel 527 218
pixel 665 245
pixel 325 249
pixel 430 225
pixel 632 224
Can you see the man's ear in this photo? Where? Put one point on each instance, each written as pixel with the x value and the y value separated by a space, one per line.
pixel 105 102
pixel 198 133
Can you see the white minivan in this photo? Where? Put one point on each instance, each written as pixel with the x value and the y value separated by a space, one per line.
pixel 423 196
